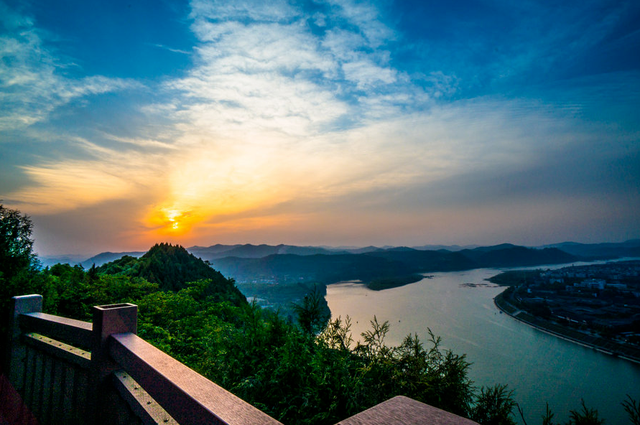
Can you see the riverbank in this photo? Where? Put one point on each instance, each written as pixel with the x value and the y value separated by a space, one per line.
pixel 592 341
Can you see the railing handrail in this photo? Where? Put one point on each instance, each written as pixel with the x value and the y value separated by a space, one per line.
pixel 187 396
pixel 71 331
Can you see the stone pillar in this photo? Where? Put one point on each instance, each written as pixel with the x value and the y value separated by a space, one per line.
pixel 16 350
pixel 107 320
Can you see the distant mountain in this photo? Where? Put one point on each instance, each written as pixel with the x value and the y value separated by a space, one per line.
pixel 398 249
pixel 213 249
pixel 416 261
pixel 364 250
pixel 507 255
pixel 451 248
pixel 51 260
pixel 601 251
pixel 492 248
pixel 107 257
pixel 257 251
pixel 400 262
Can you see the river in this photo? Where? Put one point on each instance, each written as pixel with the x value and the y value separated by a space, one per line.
pixel 539 367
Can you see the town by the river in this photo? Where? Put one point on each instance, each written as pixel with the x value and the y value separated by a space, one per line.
pixel 459 307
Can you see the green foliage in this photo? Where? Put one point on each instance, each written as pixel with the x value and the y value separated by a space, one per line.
pixel 632 407
pixel 16 260
pixel 547 418
pixel 494 406
pixel 283 295
pixel 444 382
pixel 584 416
pixel 16 245
pixel 126 265
pixel 312 313
pixel 296 379
pixel 71 292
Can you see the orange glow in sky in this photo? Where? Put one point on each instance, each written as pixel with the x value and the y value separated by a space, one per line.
pixel 171 221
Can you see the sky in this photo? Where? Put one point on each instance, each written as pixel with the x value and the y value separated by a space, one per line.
pixel 338 122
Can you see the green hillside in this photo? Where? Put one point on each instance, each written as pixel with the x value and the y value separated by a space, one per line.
pixel 172 267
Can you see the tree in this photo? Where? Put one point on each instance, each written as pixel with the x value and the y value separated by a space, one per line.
pixel 632 408
pixel 585 416
pixel 16 258
pixel 313 313
pixel 16 245
pixel 494 406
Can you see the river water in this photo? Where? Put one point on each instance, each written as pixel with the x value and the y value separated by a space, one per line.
pixel 539 367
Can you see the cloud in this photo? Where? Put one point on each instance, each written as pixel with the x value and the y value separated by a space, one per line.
pixel 301 122
pixel 68 184
pixel 161 46
pixel 32 78
pixel 255 10
pixel 367 18
pixel 366 74
pixel 269 69
pixel 142 143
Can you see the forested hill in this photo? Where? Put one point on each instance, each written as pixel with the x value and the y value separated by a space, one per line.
pixel 171 267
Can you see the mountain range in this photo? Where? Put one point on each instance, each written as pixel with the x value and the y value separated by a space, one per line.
pixel 287 263
pixel 393 263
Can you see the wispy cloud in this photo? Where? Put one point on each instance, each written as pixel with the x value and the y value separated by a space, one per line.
pixel 65 185
pixel 32 77
pixel 254 10
pixel 366 18
pixel 171 49
pixel 272 67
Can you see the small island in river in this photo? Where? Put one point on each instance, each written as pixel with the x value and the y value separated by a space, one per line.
pixel 394 282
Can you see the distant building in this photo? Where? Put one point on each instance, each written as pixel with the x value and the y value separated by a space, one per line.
pixel 591 284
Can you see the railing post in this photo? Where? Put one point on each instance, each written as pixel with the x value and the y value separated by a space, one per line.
pixel 107 320
pixel 16 350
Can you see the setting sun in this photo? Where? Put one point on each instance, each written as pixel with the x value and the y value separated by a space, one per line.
pixel 171 220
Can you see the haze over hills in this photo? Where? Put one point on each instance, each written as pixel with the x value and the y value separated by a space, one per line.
pixel 107 257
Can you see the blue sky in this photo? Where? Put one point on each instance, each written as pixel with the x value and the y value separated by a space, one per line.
pixel 125 123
